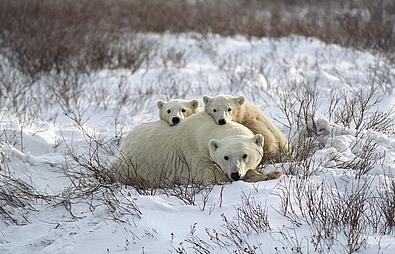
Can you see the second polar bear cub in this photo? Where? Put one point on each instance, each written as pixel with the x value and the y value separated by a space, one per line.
pixel 226 108
pixel 176 110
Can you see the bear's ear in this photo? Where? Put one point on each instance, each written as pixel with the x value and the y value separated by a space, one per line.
pixel 213 145
pixel 206 99
pixel 194 103
pixel 160 104
pixel 258 139
pixel 240 100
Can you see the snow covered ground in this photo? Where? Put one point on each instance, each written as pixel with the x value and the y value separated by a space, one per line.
pixel 336 203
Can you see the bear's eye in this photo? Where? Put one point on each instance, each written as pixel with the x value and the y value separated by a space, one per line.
pixel 183 110
pixel 168 111
pixel 226 158
pixel 245 156
pixel 214 110
pixel 229 109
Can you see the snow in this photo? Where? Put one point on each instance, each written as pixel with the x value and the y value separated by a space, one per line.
pixel 260 69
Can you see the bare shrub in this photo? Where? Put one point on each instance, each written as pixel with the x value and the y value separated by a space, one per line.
pixel 290 193
pixel 379 75
pixel 15 89
pixel 385 204
pixel 198 245
pixel 20 104
pixel 231 238
pixel 299 108
pixel 47 35
pixel 186 192
pixel 174 58
pixel 293 241
pixel 57 35
pixel 132 55
pixel 17 196
pixel 172 86
pixel 250 218
pixel 330 212
pixel 245 75
pixel 366 158
pixel 239 73
pixel 66 88
pixel 361 111
pixel 91 179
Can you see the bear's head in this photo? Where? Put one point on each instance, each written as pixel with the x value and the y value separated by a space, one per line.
pixel 174 111
pixel 223 108
pixel 235 155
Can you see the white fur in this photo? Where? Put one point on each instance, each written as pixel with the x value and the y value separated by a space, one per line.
pixel 162 155
pixel 225 108
pixel 222 107
pixel 176 108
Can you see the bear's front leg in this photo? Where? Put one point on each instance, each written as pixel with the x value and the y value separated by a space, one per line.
pixel 255 176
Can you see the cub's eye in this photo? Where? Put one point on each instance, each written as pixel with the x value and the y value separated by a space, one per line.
pixel 183 110
pixel 229 109
pixel 168 111
pixel 214 110
pixel 226 158
pixel 245 156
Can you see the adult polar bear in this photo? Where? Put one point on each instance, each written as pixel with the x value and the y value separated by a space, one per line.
pixel 196 150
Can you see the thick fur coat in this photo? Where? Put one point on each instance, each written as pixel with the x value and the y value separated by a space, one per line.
pixel 155 154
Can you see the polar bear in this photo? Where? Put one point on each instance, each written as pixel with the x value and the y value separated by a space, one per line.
pixel 196 150
pixel 176 110
pixel 226 108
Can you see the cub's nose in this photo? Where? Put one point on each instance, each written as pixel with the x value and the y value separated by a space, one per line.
pixel 221 121
pixel 235 176
pixel 175 120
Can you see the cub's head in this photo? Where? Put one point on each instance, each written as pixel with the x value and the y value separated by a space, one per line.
pixel 174 111
pixel 223 108
pixel 235 155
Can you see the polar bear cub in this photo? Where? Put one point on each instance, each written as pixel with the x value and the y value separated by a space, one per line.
pixel 226 108
pixel 196 150
pixel 176 110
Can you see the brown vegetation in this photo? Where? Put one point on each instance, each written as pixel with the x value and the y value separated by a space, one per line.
pixel 45 35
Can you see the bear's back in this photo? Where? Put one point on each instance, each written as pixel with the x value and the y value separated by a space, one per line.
pixel 197 130
pixel 144 132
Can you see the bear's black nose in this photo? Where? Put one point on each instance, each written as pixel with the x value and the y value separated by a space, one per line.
pixel 175 120
pixel 221 121
pixel 235 176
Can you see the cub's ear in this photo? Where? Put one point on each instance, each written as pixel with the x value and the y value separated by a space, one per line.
pixel 206 99
pixel 240 100
pixel 160 104
pixel 213 145
pixel 194 103
pixel 258 139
